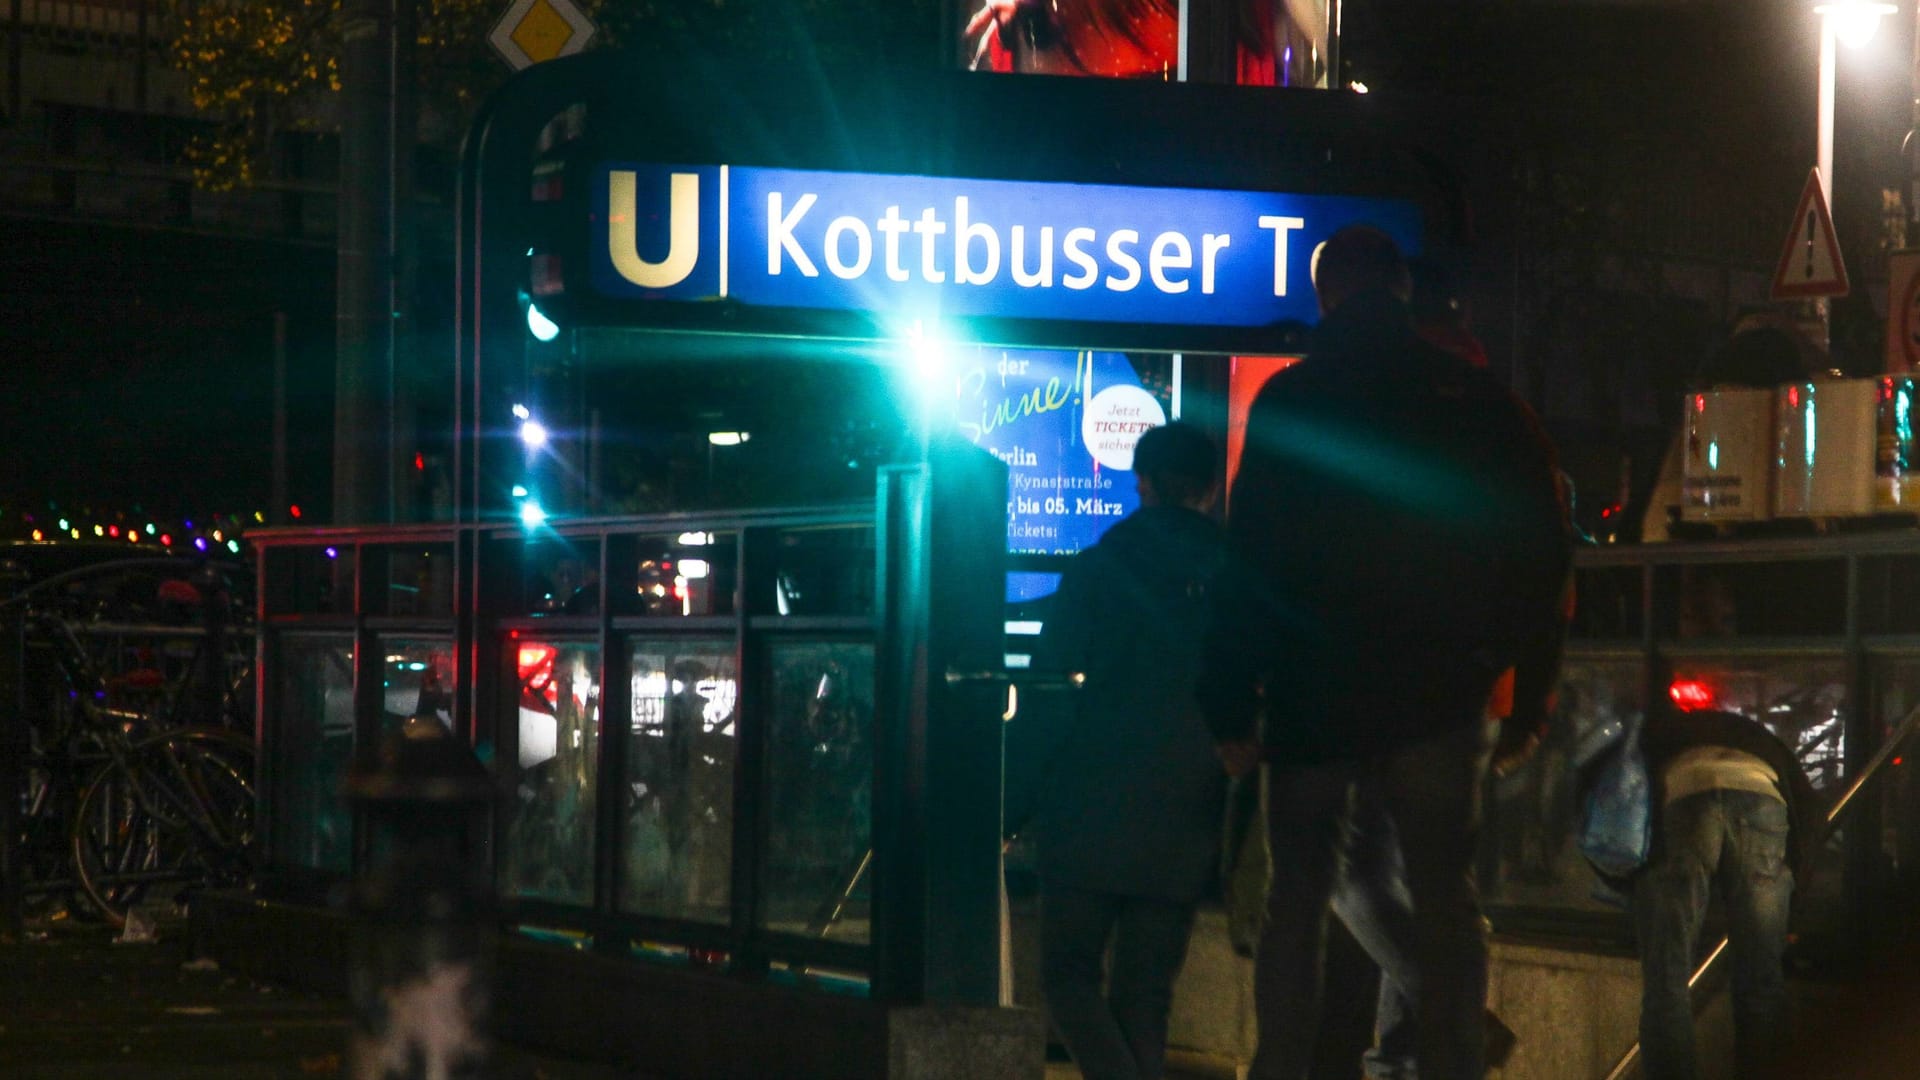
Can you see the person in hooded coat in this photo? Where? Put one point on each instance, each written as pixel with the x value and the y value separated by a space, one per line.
pixel 1129 798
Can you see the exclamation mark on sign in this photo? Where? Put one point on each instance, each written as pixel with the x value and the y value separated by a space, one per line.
pixel 1810 224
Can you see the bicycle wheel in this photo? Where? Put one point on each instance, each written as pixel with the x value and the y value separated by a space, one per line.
pixel 174 811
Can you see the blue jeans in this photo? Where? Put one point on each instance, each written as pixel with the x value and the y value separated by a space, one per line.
pixel 1331 832
pixel 1120 1034
pixel 1733 843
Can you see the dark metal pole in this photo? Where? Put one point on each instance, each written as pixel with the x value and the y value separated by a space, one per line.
pixel 364 266
pixel 402 263
pixel 280 494
pixel 13 749
pixel 140 57
pixel 16 27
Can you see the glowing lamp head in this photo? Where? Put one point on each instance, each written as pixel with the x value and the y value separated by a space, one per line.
pixel 1854 22
pixel 531 515
pixel 728 438
pixel 533 433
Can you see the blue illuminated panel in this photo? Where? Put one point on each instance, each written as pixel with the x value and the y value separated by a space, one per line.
pixel 937 246
pixel 1065 423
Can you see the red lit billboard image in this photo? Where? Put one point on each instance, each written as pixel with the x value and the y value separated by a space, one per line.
pixel 1276 42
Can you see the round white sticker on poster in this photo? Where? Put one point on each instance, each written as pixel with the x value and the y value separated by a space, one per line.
pixel 1114 421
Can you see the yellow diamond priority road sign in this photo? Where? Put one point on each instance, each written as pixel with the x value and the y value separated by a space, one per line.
pixel 536 30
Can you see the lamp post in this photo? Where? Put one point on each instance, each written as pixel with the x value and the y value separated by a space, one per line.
pixel 1851 23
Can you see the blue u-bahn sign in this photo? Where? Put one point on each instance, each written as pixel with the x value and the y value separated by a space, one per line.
pixel 936 245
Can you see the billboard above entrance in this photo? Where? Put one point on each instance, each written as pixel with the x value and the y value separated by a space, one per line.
pixel 938 246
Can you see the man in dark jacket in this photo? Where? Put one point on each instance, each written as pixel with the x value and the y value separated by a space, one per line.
pixel 1739 818
pixel 1397 546
pixel 1130 796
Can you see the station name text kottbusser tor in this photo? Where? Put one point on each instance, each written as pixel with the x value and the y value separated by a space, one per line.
pixel 877 242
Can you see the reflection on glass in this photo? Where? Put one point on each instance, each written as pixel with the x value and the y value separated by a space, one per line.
pixel 313 744
pixel 677 848
pixel 1799 699
pixel 1528 854
pixel 691 573
pixel 550 830
pixel 419 581
pixel 1529 858
pixel 1896 693
pixel 562 577
pixel 817 419
pixel 825 571
pixel 417 681
pixel 310 579
pixel 820 788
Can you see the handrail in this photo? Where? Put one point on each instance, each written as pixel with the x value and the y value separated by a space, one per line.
pixel 1900 735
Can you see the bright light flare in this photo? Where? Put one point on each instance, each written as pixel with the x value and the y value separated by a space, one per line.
pixel 534 434
pixel 1854 22
pixel 728 438
pixel 531 515
pixel 931 357
pixel 541 327
pixel 1691 694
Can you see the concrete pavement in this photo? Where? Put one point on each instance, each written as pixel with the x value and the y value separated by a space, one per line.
pixel 74 1004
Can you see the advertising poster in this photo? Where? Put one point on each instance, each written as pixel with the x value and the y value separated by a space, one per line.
pixel 1276 42
pixel 1065 423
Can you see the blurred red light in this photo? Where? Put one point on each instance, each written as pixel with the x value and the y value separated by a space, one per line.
pixel 294 510
pixel 1691 694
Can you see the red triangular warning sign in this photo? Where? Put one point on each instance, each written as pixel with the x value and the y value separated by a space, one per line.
pixel 1810 263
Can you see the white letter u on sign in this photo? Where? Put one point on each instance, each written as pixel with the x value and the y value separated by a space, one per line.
pixel 683 231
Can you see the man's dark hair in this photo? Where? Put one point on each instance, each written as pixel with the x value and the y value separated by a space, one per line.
pixel 1357 259
pixel 1178 460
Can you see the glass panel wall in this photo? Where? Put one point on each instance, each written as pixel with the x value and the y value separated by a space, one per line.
pixel 1896 693
pixel 820 788
pixel 701 423
pixel 688 574
pixel 312 748
pixel 550 825
pixel 1530 857
pixel 415 579
pixel 417 680
pixel 677 842
pixel 310 580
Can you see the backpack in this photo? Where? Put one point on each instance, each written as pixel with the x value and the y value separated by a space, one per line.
pixel 1616 812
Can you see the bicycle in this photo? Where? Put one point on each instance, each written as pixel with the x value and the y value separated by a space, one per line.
pixel 138 773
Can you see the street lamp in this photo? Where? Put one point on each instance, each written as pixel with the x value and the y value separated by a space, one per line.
pixel 1853 23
